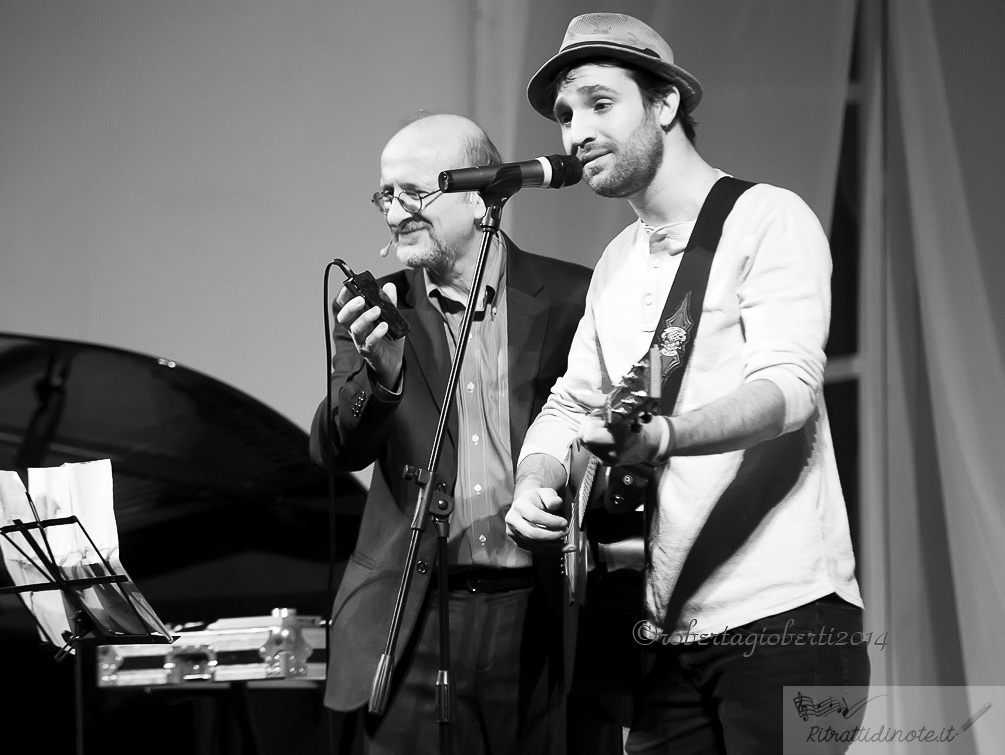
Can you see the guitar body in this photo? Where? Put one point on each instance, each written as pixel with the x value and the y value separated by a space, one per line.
pixel 614 496
pixel 609 499
pixel 583 467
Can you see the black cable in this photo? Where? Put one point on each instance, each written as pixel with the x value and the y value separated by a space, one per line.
pixel 328 431
pixel 330 467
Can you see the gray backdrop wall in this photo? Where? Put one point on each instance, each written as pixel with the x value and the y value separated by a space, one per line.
pixel 175 176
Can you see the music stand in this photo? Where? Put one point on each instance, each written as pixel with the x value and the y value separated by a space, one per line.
pixel 102 607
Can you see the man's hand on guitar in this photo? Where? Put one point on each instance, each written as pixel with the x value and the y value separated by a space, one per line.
pixel 532 524
pixel 628 442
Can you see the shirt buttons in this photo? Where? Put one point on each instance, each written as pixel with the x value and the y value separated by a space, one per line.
pixel 648 299
pixel 357 404
pixel 482 539
pixel 475 439
pixel 478 489
pixel 470 387
pixel 656 261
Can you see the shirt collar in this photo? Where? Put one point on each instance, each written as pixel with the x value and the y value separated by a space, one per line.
pixel 671 238
pixel 493 278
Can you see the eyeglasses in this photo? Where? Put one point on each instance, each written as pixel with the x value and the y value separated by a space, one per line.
pixel 410 201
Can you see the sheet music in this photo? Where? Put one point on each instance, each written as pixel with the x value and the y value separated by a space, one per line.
pixel 83 490
pixel 47 607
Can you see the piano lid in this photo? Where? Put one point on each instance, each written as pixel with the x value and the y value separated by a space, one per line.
pixel 200 469
pixel 220 512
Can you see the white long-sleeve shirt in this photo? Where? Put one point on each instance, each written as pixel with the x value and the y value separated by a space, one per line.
pixel 780 538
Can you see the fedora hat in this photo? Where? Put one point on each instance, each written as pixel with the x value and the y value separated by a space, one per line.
pixel 611 35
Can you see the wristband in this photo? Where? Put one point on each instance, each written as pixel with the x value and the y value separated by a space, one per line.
pixel 666 442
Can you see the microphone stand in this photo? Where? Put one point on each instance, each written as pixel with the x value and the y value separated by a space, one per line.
pixel 432 500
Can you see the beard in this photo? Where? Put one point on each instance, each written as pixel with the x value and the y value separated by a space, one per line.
pixel 423 248
pixel 634 162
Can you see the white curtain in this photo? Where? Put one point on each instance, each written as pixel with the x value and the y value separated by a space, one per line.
pixel 499 53
pixel 945 530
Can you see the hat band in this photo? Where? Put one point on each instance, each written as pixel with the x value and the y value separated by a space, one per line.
pixel 646 51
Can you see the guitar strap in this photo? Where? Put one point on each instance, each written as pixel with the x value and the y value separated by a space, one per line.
pixel 682 310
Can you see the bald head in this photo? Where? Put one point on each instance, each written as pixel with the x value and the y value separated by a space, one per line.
pixel 450 140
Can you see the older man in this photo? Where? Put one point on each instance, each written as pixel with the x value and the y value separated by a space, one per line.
pixel 387 400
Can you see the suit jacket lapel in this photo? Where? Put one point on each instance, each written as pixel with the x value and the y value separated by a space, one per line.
pixel 427 344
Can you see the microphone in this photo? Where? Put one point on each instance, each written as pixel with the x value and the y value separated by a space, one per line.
pixel 551 172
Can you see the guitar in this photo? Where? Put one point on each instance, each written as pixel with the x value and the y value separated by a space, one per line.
pixel 610 490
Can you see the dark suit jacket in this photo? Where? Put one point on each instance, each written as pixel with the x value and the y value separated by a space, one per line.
pixel 545 302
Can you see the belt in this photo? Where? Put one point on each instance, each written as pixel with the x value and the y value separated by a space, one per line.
pixel 487 578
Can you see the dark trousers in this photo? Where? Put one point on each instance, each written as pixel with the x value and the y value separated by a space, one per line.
pixel 490 716
pixel 728 697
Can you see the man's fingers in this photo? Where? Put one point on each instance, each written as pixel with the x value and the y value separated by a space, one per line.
pixel 540 519
pixel 374 338
pixel 392 293
pixel 523 533
pixel 530 516
pixel 593 430
pixel 347 311
pixel 344 296
pixel 362 327
pixel 600 441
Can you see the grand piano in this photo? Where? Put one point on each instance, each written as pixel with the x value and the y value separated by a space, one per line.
pixel 220 513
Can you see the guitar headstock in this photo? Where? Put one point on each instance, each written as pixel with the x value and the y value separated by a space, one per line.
pixel 636 397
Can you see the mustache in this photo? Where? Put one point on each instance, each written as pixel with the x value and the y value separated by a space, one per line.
pixel 410 225
pixel 594 151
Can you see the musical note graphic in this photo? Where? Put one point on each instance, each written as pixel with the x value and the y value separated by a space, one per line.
pixel 805 706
